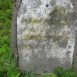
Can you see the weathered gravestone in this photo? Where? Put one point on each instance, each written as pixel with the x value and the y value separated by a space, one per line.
pixel 43 34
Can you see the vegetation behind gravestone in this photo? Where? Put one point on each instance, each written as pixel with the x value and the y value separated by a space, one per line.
pixel 7 64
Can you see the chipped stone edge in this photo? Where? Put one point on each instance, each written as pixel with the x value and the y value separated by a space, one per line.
pixel 14 49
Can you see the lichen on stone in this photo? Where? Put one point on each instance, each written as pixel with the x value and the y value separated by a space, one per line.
pixel 34 37
pixel 61 38
pixel 59 19
pixel 32 21
pixel 61 16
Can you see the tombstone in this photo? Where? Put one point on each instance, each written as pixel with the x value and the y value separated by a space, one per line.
pixel 43 35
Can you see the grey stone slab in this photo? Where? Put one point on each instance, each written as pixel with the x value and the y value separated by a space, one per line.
pixel 45 35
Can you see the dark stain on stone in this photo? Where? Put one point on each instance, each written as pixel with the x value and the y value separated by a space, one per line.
pixel 63 44
pixel 26 55
pixel 67 53
pixel 45 71
pixel 47 5
pixel 48 37
pixel 69 47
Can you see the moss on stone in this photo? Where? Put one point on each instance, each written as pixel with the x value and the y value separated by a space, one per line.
pixel 35 37
pixel 61 16
pixel 32 21
pixel 60 38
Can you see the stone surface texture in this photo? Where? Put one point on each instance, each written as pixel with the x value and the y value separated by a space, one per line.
pixel 45 35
